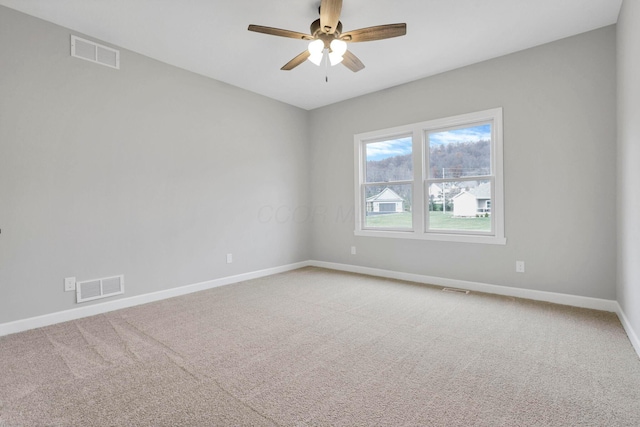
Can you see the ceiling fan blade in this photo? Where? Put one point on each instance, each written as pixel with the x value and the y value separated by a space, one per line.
pixel 330 15
pixel 352 62
pixel 279 32
pixel 379 32
pixel 296 61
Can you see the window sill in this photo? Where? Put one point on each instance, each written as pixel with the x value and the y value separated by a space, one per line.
pixel 412 235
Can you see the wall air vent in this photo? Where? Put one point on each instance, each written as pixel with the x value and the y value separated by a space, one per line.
pixel 94 52
pixel 99 288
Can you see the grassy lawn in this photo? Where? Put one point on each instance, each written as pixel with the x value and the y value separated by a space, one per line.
pixel 446 221
pixel 437 220
pixel 394 220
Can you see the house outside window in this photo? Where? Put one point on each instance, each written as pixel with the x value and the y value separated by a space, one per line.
pixel 435 180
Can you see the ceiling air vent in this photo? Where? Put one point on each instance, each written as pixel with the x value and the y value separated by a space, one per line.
pixel 94 52
pixel 99 288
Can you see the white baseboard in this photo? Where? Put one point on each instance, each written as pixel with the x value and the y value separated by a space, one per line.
pixel 633 337
pixel 565 299
pixel 91 310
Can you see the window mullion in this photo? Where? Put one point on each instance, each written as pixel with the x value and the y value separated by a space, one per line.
pixel 418 186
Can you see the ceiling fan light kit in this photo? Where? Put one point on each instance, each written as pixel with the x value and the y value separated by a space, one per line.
pixel 316 51
pixel 338 49
pixel 326 35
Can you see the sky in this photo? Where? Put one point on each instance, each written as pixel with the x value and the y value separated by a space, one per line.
pixel 467 134
pixel 401 146
pixel 384 149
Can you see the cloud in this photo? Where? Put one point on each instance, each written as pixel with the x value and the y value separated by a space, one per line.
pixel 385 149
pixel 469 134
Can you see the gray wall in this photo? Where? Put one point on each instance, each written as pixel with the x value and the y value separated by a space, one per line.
pixel 156 173
pixel 559 105
pixel 147 171
pixel 629 161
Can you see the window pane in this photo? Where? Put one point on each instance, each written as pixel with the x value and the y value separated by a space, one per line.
pixel 459 153
pixel 389 160
pixel 388 206
pixel 460 205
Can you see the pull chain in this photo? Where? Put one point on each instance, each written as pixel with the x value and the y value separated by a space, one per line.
pixel 326 68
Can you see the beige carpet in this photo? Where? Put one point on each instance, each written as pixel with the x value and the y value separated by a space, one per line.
pixel 315 347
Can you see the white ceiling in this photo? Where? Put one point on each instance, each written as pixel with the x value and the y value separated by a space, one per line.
pixel 210 37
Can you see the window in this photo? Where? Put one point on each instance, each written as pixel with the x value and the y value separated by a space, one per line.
pixel 436 180
pixel 388 182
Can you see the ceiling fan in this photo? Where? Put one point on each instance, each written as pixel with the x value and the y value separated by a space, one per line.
pixel 326 34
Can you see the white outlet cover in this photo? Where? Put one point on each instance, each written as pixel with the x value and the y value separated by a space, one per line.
pixel 229 258
pixel 519 266
pixel 353 250
pixel 69 284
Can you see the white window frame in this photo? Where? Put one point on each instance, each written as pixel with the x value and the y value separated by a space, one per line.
pixel 421 182
pixel 398 182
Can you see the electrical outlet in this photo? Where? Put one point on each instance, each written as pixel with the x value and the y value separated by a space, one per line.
pixel 69 284
pixel 519 266
pixel 229 258
pixel 353 250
